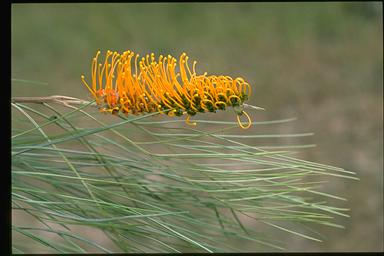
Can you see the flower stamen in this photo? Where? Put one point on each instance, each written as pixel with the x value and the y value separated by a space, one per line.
pixel 154 85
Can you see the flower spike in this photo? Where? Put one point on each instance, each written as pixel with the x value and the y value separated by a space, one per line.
pixel 151 84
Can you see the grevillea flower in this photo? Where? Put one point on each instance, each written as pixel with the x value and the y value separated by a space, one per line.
pixel 123 83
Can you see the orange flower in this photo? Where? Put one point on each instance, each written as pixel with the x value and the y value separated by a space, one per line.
pixel 149 84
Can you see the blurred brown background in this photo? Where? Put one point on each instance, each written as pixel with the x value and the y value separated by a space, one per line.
pixel 319 62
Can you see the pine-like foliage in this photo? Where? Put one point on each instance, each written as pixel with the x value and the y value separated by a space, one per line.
pixel 154 184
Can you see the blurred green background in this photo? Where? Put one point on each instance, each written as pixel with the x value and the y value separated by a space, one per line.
pixel 319 62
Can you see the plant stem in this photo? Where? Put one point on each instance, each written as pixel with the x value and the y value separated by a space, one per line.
pixel 66 100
